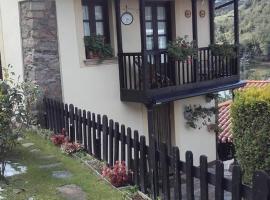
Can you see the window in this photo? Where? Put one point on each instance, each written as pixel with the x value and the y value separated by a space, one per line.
pixel 95 18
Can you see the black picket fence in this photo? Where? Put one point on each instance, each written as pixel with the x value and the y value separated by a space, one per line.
pixel 155 171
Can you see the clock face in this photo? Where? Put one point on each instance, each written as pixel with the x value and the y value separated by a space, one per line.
pixel 127 18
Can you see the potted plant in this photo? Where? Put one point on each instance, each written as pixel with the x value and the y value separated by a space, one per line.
pixel 181 49
pixel 97 48
pixel 224 50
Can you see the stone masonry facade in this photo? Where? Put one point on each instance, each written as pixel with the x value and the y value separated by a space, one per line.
pixel 40 45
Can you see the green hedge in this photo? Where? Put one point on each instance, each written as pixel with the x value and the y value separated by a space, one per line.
pixel 250 114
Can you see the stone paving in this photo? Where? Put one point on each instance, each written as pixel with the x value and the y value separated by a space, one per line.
pixel 68 192
pixel 72 192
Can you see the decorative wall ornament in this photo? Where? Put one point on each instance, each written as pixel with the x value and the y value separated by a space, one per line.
pixel 127 17
pixel 188 13
pixel 202 13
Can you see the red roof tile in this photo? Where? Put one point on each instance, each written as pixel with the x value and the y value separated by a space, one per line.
pixel 224 112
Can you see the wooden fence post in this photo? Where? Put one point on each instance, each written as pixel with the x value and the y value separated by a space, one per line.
pixel 219 192
pixel 116 142
pixel 189 175
pixel 89 135
pixel 84 122
pixel 204 178
pixel 98 137
pixel 153 168
pixel 236 183
pixel 123 143
pixel 177 174
pixel 66 121
pixel 111 123
pixel 62 122
pixel 105 138
pixel 71 117
pixel 129 150
pixel 136 158
pixel 46 124
pixel 76 124
pixel 79 122
pixel 165 171
pixel 143 186
pixel 94 128
pixel 261 186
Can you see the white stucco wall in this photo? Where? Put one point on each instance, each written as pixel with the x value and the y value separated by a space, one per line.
pixel 200 142
pixel 183 25
pixel 96 87
pixel 10 35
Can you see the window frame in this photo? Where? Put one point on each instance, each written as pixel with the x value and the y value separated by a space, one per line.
pixel 91 15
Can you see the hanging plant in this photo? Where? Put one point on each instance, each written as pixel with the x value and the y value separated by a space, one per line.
pixel 210 96
pixel 198 116
pixel 224 50
pixel 181 49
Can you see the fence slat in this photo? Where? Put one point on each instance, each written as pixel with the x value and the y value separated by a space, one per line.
pixel 84 129
pixel 143 185
pixel 153 169
pixel 111 123
pixel 94 133
pixel 219 192
pixel 55 117
pixel 123 143
pixel 98 137
pixel 165 172
pixel 129 150
pixel 71 116
pixel 189 176
pixel 136 158
pixel 116 142
pixel 105 138
pixel 261 186
pixel 89 135
pixel 62 116
pixel 79 122
pixel 177 175
pixel 236 183
pixel 203 178
pixel 76 116
pixel 66 120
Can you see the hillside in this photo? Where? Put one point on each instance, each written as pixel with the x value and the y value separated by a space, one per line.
pixel 254 23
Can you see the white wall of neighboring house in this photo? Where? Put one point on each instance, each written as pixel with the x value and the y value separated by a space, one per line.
pixel 10 36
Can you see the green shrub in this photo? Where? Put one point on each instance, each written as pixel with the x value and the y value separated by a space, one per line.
pixel 250 114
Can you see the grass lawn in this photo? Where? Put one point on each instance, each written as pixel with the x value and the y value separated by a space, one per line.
pixel 39 183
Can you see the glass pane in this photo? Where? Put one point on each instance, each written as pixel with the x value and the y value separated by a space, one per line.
pixel 162 42
pixel 161 28
pixel 86 28
pixel 98 13
pixel 161 13
pixel 99 28
pixel 149 43
pixel 149 28
pixel 148 13
pixel 85 13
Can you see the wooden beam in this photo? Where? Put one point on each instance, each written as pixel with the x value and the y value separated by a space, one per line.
pixel 118 26
pixel 212 20
pixel 224 5
pixel 142 25
pixel 236 34
pixel 195 37
pixel 194 20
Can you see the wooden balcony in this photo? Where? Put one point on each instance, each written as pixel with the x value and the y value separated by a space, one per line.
pixel 155 77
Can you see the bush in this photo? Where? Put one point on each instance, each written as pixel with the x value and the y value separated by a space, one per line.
pixel 118 175
pixel 250 114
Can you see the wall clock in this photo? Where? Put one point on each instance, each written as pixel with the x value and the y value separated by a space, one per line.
pixel 127 18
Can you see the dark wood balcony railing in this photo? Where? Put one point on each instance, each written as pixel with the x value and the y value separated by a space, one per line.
pixel 160 71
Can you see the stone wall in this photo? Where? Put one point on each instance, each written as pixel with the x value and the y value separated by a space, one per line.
pixel 40 45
